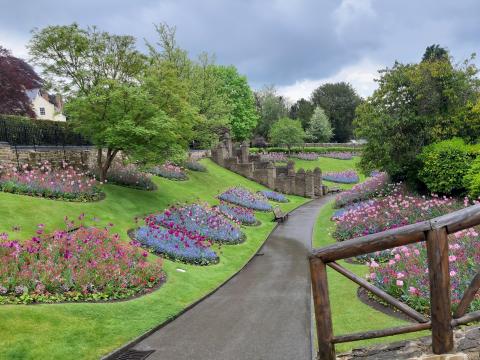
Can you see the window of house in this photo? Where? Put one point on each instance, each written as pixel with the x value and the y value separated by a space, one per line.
pixel 42 111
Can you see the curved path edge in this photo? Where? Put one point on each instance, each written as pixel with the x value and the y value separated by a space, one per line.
pixel 129 345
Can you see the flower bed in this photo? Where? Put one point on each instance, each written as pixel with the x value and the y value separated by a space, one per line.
pixel 65 183
pixel 243 197
pixel 238 213
pixel 375 186
pixel 199 219
pixel 195 166
pixel 177 245
pixel 275 196
pixel 338 155
pixel 397 209
pixel 343 177
pixel 88 264
pixel 170 171
pixel 130 176
pixel 405 275
pixel 274 156
pixel 310 156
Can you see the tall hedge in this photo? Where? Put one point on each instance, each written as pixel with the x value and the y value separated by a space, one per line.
pixel 445 164
pixel 472 179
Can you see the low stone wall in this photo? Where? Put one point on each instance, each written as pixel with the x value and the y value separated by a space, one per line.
pixel 79 156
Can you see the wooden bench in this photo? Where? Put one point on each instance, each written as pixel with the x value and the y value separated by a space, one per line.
pixel 279 214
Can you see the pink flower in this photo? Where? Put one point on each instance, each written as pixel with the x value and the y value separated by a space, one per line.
pixel 399 282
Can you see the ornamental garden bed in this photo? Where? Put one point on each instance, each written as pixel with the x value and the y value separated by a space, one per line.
pixel 85 265
pixel 342 177
pixel 65 183
pixel 239 214
pixel 170 171
pixel 338 155
pixel 274 196
pixel 243 197
pixel 130 176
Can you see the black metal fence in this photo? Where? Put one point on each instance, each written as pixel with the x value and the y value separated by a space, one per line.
pixel 27 132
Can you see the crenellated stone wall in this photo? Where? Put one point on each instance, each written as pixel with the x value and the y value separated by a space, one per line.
pixel 285 179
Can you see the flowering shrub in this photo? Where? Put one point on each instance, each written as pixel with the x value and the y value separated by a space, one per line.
pixel 170 171
pixel 245 198
pixel 275 196
pixel 274 156
pixel 392 211
pixel 177 245
pixel 65 183
pixel 238 213
pixel 85 265
pixel 368 189
pixel 405 275
pixel 311 156
pixel 199 219
pixel 338 155
pixel 195 166
pixel 344 177
pixel 130 176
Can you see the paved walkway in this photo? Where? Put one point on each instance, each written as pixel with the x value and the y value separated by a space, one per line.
pixel 262 313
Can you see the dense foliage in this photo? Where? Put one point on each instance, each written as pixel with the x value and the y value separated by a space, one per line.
pixel 271 108
pixel 286 132
pixel 243 197
pixel 471 179
pixel 65 183
pixel 302 110
pixel 339 100
pixel 445 164
pixel 16 76
pixel 87 264
pixel 416 105
pixel 319 129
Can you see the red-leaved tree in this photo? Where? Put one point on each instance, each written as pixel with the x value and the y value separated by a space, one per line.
pixel 16 76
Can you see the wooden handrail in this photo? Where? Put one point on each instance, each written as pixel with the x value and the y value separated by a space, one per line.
pixel 435 233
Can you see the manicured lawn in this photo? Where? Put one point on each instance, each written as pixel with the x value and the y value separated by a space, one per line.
pixel 88 331
pixel 349 313
pixel 329 164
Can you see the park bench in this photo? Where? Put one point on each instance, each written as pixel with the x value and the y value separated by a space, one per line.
pixel 279 214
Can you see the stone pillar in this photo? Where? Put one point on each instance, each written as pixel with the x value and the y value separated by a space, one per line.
pixel 317 174
pixel 271 175
pixel 299 181
pixel 309 184
pixel 290 168
pixel 228 144
pixel 244 150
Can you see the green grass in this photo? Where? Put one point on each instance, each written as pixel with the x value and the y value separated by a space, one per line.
pixel 88 331
pixel 329 164
pixel 348 312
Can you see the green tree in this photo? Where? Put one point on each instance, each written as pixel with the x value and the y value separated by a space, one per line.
pixel 122 117
pixel 435 52
pixel 75 60
pixel 287 132
pixel 320 129
pixel 271 107
pixel 243 117
pixel 303 111
pixel 339 100
pixel 415 105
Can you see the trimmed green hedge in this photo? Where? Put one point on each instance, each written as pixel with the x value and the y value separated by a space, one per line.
pixel 18 130
pixel 445 164
pixel 318 150
pixel 471 179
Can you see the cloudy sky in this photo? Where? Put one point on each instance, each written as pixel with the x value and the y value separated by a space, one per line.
pixel 294 44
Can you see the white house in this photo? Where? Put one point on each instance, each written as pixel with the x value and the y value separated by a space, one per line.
pixel 46 107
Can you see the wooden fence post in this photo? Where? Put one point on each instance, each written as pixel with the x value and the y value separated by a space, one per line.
pixel 323 315
pixel 440 302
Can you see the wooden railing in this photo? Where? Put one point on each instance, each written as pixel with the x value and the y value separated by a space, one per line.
pixel 435 233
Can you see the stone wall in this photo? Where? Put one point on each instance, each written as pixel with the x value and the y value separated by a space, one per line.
pixel 279 178
pixel 78 156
